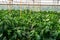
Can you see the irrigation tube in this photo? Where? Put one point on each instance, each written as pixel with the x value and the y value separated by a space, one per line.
pixel 33 4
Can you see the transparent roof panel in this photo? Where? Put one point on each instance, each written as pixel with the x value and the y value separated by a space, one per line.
pixel 3 0
pixel 16 0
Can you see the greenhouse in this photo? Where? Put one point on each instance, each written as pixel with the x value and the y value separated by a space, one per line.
pixel 29 19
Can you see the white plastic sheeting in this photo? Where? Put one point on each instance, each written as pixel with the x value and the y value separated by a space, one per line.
pixel 31 1
pixel 43 8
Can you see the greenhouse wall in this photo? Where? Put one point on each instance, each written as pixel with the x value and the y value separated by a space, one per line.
pixel 44 5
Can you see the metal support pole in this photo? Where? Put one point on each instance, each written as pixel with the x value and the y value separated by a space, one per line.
pixel 10 6
pixel 20 8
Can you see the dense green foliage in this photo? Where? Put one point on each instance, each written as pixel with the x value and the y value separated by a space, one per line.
pixel 31 25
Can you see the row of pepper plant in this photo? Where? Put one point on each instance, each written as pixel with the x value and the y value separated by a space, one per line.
pixel 30 25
